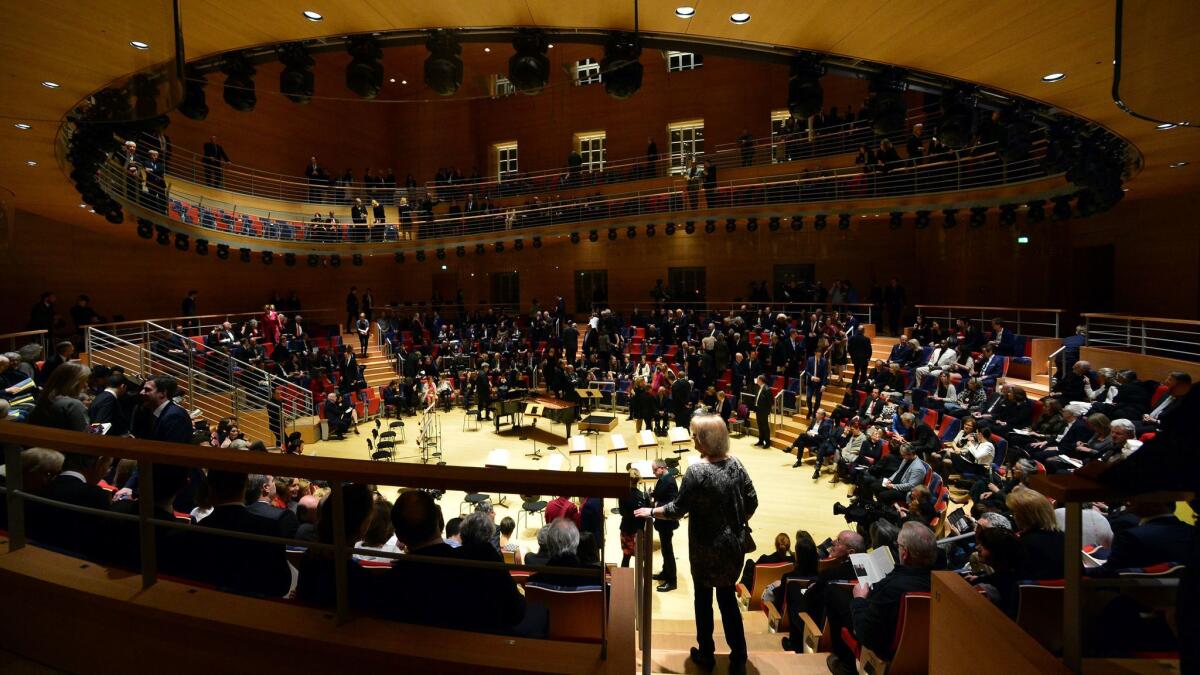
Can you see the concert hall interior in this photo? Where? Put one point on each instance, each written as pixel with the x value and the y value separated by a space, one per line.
pixel 537 336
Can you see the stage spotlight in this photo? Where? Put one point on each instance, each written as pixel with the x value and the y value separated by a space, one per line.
pixel 820 221
pixel 460 251
pixel 529 68
pixel 622 73
pixel 314 260
pixel 296 80
pixel 244 255
pixel 797 223
pixel 949 218
pixel 479 249
pixel 239 82
pixel 593 236
pixel 731 224
pixel 364 73
pixel 690 227
pixel 441 254
pixel 357 259
pixel 886 106
pixel 650 230
pixel 922 220
pixel 499 247
pixel 612 234
pixel 335 260
pixel 201 247
pixel 421 256
pixel 670 229
pixel 399 257
pixel 773 224
pixel 710 226
pixel 164 235
pixel 194 105
pixel 537 242
pixel 897 220
pixel 1062 208
pixel 752 224
pixel 978 216
pixel 1008 215
pixel 115 216
pixel 181 241
pixel 805 96
pixel 843 221
pixel 958 120
pixel 1036 212
pixel 223 251
pixel 443 66
pixel 574 237
pixel 631 231
pixel 145 228
pixel 267 257
pixel 289 259
pixel 519 245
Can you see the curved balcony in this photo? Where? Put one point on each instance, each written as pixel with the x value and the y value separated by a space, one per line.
pixel 978 179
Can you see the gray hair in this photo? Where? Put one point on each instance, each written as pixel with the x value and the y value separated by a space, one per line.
pixel 908 418
pixel 1124 424
pixel 711 435
pixel 996 520
pixel 920 542
pixel 541 537
pixel 1027 466
pixel 477 529
pixel 562 538
pixel 31 352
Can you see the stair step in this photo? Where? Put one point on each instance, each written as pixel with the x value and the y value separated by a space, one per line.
pixel 778 662
pixel 753 623
pixel 669 642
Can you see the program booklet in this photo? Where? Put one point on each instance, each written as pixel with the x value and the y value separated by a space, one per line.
pixel 873 566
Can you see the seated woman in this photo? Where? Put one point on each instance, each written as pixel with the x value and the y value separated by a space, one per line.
pixel 919 507
pixel 507 543
pixel 971 396
pixel 1037 530
pixel 783 553
pixel 974 457
pixel 379 534
pixel 942 393
pixel 1100 443
pixel 1049 425
pixel 962 442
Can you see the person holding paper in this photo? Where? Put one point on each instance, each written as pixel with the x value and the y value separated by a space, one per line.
pixel 896 488
pixel 874 611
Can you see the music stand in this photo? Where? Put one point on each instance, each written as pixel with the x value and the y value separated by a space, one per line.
pixel 498 459
pixel 555 463
pixel 596 464
pixel 679 437
pixel 617 446
pixel 589 395
pixel 579 447
pixel 647 440
pixel 536 454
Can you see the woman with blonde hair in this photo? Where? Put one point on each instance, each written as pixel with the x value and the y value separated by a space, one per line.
pixel 1041 540
pixel 58 405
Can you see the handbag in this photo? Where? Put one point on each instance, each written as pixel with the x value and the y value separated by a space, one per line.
pixel 747 536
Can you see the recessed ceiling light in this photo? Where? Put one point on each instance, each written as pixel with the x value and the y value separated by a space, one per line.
pixel 22 126
pixel 1178 165
pixel 30 162
pixel 51 85
pixel 685 12
pixel 83 206
pixel 550 46
pixel 443 267
pixel 739 17
pixel 392 80
pixel 487 50
pixel 403 81
pixel 312 16
pixel 1166 125
pixel 1053 77
pixel 138 44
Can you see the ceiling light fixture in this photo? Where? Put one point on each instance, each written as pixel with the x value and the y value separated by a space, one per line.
pixel 1166 125
pixel 22 126
pixel 1178 165
pixel 30 162
pixel 550 46
pixel 739 18
pixel 312 16
pixel 487 50
pixel 50 85
pixel 685 12
pixel 392 80
pixel 139 45
pixel 1053 77
pixel 403 81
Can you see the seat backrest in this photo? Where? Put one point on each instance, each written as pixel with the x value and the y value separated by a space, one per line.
pixel 911 645
pixel 931 418
pixel 764 575
pixel 1040 612
pixel 1159 392
pixel 949 428
pixel 574 614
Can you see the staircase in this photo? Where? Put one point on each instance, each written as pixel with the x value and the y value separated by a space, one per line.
pixel 379 369
pixel 673 639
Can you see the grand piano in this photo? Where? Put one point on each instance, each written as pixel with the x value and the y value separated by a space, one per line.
pixel 552 409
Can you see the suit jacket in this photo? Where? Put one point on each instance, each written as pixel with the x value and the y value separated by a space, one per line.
pixel 858 347
pixel 818 368
pixel 875 616
pixel 924 439
pixel 285 520
pixel 173 425
pixel 435 595
pixel 992 367
pixel 909 475
pixel 763 400
pixel 248 567
pixel 681 395
pixel 1041 555
pixel 665 491
pixel 1006 344
pixel 1159 540
pixel 1017 415
pixel 871 407
pixel 105 408
pixel 122 547
pixel 76 533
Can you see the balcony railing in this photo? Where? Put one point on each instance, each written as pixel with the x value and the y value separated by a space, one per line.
pixel 1023 320
pixel 1154 336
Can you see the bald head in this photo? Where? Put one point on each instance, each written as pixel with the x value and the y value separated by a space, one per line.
pixel 306 508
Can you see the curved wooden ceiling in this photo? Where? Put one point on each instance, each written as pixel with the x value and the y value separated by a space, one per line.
pixel 1003 44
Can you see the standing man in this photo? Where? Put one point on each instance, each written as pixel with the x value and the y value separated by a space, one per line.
pixel 858 348
pixel 188 309
pixel 363 328
pixel 746 143
pixel 351 308
pixel 651 158
pixel 215 160
pixel 483 393
pixel 156 182
pixel 681 401
pixel 894 299
pixel 665 492
pixel 817 372
pixel 41 316
pixel 762 411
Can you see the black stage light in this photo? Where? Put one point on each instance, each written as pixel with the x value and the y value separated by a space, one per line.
pixel 239 82
pixel 499 247
pixel 223 251
pixel 922 220
pixel 244 255
pixel 289 259
pixel 1062 208
pixel 612 234
pixel 364 73
pixel 1037 211
pixel 949 218
pixel 978 216
pixel 631 231
pixel 529 68
pixel 797 223
pixel 181 241
pixel 670 229
pixel 621 71
pixel 399 257
pixel 201 247
pixel 267 257
pixel 886 106
pixel 357 259
pixel 314 260
pixel 421 256
pixel 897 220
pixel 460 251
pixel 1008 215
pixel 115 215
pixel 441 254
pixel 574 237
pixel 773 224
pixel 650 230
pixel 710 226
pixel 752 224
pixel 479 249
pixel 805 96
pixel 690 227
pixel 443 66
pixel 843 221
pixel 335 260
pixel 194 105
pixel 145 228
pixel 820 221
pixel 519 245
pixel 594 236
pixel 731 224
pixel 537 242
pixel 296 80
pixel 958 120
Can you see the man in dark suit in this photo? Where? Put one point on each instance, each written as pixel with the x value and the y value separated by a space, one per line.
pixel 1176 408
pixel 238 565
pixel 919 435
pixel 1005 340
pixel 122 543
pixel 665 492
pixel 106 408
pixel 1070 387
pixel 762 411
pixel 259 489
pixel 874 612
pixel 168 421
pixel 1159 537
pixel 991 366
pixel 156 182
pixel 570 341
pixel 188 308
pixel 820 433
pixel 74 533
pixel 215 160
pixel 872 406
pixel 816 370
pixel 681 401
pixel 858 348
pixel 812 600
pixel 483 393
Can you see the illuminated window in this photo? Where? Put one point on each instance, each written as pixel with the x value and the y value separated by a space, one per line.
pixel 506 160
pixel 687 139
pixel 678 62
pixel 502 87
pixel 587 71
pixel 592 148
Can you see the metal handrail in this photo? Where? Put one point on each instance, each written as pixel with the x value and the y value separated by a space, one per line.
pixel 1051 371
pixel 41 337
pixel 949 175
pixel 1167 337
pixel 984 315
pixel 733 306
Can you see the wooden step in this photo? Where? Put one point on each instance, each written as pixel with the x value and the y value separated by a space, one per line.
pixel 778 662
pixel 753 623
pixel 755 642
